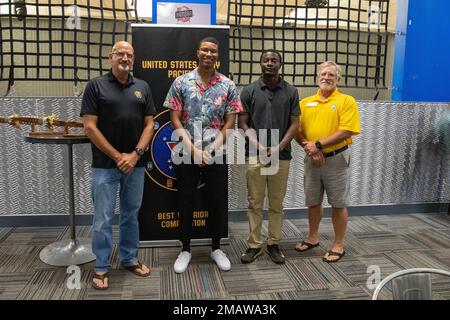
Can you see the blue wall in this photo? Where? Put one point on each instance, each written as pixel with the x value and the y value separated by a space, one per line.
pixel 426 53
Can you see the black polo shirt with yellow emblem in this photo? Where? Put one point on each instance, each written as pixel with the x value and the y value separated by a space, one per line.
pixel 121 109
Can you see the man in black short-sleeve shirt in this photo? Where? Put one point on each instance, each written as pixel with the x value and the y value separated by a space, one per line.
pixel 271 105
pixel 117 111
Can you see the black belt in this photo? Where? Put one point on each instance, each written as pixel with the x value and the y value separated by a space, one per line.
pixel 335 152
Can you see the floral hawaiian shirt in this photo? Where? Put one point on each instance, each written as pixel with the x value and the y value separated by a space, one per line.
pixel 203 109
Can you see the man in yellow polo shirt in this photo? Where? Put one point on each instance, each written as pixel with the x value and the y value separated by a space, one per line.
pixel 328 121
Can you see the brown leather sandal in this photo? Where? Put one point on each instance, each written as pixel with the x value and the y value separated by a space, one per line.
pixel 134 268
pixel 308 245
pixel 101 277
pixel 332 253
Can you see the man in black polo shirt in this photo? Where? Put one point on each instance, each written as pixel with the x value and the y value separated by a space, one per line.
pixel 117 111
pixel 270 104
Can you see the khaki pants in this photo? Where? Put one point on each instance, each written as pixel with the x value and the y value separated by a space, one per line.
pixel 276 189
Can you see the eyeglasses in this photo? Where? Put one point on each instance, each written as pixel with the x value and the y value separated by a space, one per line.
pixel 206 50
pixel 122 54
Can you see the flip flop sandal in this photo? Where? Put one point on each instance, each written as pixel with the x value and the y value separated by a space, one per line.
pixel 101 277
pixel 334 254
pixel 308 245
pixel 134 268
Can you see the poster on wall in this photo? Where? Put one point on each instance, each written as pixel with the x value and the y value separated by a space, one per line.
pixel 199 12
pixel 164 52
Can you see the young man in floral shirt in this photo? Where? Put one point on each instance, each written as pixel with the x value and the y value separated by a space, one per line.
pixel 203 105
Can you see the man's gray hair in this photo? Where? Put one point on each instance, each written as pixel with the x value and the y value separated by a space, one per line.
pixel 328 64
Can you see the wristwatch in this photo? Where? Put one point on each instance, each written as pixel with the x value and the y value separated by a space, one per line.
pixel 139 151
pixel 318 145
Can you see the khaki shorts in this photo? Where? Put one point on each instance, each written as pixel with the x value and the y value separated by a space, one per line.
pixel 333 177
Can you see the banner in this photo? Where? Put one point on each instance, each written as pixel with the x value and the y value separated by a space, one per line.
pixel 162 54
pixel 200 12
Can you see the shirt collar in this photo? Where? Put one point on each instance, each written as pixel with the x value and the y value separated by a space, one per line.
pixel 194 75
pixel 332 96
pixel 262 85
pixel 112 78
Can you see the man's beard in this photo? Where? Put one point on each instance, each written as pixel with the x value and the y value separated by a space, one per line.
pixel 123 67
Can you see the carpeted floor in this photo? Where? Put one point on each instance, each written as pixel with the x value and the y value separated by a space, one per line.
pixel 391 242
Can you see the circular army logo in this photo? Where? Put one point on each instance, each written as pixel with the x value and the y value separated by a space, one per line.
pixel 160 168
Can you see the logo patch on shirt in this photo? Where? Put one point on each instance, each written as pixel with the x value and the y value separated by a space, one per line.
pixel 312 104
pixel 333 107
pixel 138 94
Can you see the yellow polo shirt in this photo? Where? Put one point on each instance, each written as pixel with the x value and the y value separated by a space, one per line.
pixel 321 118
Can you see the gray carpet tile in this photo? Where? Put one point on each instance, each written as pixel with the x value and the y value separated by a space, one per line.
pixel 350 293
pixel 434 220
pixel 48 284
pixel 290 230
pixel 11 284
pixel 238 230
pixel 262 277
pixel 441 287
pixel 360 268
pixel 4 233
pixel 390 243
pixel 441 255
pixel 33 236
pixel 260 296
pixel 363 224
pixel 200 281
pixel 124 286
pixel 379 242
pixel 427 239
pixel 397 223
pixel 415 259
pixel 21 258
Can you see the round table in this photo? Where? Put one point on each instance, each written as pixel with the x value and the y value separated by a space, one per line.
pixel 71 251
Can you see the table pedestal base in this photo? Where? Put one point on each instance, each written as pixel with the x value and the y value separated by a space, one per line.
pixel 68 252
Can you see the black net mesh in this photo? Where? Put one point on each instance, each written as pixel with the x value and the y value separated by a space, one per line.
pixel 69 40
pixel 60 39
pixel 352 33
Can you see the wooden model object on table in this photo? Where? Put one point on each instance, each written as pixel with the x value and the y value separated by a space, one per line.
pixel 50 122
